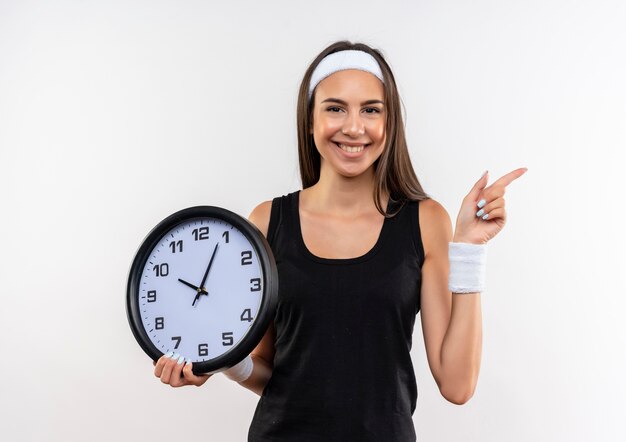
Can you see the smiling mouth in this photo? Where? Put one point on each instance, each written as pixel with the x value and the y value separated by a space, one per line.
pixel 351 149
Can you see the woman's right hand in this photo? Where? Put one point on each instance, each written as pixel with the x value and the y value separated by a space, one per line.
pixel 176 374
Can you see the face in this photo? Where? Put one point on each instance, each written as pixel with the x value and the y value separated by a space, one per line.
pixel 349 116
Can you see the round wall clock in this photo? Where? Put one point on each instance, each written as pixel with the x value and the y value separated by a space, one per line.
pixel 203 284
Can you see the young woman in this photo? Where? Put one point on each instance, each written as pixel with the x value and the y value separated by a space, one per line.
pixel 360 250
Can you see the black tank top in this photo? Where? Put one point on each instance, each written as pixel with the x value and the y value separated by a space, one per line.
pixel 342 368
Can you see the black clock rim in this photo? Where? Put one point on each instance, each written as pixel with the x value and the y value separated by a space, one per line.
pixel 269 296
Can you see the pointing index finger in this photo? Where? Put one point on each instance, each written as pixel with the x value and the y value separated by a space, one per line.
pixel 507 179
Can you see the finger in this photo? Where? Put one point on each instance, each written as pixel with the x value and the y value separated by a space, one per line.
pixel 498 213
pixel 498 202
pixel 191 378
pixel 509 177
pixel 176 379
pixel 168 368
pixel 491 193
pixel 158 368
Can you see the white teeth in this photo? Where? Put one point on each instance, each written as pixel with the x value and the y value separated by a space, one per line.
pixel 351 149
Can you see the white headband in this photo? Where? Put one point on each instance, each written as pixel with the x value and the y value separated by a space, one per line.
pixel 341 61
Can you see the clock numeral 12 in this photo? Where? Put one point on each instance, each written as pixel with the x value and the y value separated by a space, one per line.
pixel 201 233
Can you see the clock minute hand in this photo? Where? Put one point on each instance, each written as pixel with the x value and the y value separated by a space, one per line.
pixel 209 266
pixel 202 290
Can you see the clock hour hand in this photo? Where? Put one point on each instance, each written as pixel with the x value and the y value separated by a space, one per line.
pixel 188 284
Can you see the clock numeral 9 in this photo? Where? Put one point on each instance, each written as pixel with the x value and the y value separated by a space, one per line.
pixel 256 285
pixel 203 350
pixel 159 323
pixel 177 339
pixel 176 244
pixel 246 257
pixel 151 295
pixel 246 315
pixel 161 269
pixel 201 233
pixel 227 338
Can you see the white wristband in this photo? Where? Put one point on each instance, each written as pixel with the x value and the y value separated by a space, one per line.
pixel 241 371
pixel 467 267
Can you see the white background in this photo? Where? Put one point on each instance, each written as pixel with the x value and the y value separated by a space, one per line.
pixel 115 114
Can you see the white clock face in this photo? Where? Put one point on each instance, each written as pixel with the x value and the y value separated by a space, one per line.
pixel 200 289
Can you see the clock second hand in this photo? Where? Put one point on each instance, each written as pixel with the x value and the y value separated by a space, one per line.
pixel 197 289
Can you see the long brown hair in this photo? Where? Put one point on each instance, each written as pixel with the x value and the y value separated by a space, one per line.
pixel 393 171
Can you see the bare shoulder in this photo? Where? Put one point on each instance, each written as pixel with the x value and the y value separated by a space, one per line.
pixel 435 225
pixel 260 216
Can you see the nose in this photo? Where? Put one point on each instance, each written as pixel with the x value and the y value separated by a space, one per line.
pixel 353 126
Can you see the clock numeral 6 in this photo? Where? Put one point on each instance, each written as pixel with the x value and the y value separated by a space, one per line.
pixel 246 315
pixel 246 257
pixel 159 323
pixel 151 295
pixel 203 350
pixel 227 338
pixel 256 284
pixel 201 233
pixel 161 269
pixel 177 339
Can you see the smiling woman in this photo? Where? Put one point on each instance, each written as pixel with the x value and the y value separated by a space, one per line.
pixel 360 250
pixel 349 132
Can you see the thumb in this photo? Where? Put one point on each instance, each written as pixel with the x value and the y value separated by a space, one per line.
pixel 479 186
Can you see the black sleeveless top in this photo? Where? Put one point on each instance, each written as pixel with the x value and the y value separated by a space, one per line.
pixel 342 368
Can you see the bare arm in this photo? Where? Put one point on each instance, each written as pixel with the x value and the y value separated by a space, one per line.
pixel 452 324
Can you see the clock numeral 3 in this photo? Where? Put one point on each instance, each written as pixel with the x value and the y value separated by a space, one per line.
pixel 203 350
pixel 159 323
pixel 176 245
pixel 256 285
pixel 201 233
pixel 151 295
pixel 246 315
pixel 161 269
pixel 227 338
pixel 246 258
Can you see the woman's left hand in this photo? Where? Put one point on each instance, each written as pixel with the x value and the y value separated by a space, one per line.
pixel 471 224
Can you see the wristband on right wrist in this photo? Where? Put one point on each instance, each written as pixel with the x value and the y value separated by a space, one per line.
pixel 241 371
pixel 467 267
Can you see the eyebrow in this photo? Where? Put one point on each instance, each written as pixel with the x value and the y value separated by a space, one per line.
pixel 342 102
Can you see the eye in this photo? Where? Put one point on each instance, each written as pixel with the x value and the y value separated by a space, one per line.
pixel 372 110
pixel 333 109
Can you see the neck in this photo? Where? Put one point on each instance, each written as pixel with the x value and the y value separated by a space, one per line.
pixel 344 196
